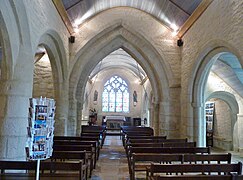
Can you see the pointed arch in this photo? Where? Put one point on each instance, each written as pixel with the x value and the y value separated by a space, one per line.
pixel 116 37
pixel 197 82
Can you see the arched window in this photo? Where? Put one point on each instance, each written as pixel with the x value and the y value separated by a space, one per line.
pixel 115 97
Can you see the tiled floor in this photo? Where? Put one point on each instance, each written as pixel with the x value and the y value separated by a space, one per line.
pixel 112 164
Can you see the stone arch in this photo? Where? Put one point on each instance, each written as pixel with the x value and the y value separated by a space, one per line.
pixel 118 36
pixel 197 82
pixel 231 101
pixel 56 52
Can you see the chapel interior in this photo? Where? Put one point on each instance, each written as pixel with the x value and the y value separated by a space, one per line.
pixel 174 66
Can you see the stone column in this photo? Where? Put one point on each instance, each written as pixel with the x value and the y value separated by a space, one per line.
pixel 14 104
pixel 199 125
pixel 169 116
pixel 72 117
pixel 79 117
pixel 156 118
pixel 239 127
pixel 62 105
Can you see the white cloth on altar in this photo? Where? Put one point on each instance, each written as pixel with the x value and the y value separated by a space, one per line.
pixel 115 118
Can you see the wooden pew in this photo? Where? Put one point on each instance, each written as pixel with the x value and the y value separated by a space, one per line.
pixel 156 140
pixel 207 158
pixel 163 150
pixel 93 143
pixel 44 166
pixel 164 144
pixel 198 177
pixel 194 168
pixel 134 130
pixel 78 138
pixel 88 148
pixel 85 129
pixel 72 155
pixel 141 161
pixel 128 138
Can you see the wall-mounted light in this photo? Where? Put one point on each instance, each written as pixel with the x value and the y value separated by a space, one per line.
pixel 134 104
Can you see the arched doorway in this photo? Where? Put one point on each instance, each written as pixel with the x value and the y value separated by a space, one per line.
pixel 226 110
pixel 119 37
pixel 216 61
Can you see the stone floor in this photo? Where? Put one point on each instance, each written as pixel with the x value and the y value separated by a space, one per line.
pixel 112 164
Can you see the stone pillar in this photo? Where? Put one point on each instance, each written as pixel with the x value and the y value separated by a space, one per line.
pixel 239 127
pixel 169 116
pixel 156 118
pixel 199 125
pixel 62 105
pixel 14 104
pixel 72 117
pixel 79 117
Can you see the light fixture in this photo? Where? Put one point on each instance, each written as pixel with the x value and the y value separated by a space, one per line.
pixel 134 104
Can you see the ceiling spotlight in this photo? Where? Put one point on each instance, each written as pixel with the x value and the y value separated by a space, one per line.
pixel 174 27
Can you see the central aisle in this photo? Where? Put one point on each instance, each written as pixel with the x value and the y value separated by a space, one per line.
pixel 112 163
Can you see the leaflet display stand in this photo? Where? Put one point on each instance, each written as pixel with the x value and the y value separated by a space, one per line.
pixel 40 130
pixel 209 114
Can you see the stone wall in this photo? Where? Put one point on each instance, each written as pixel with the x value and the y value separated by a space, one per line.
pixel 219 26
pixel 223 135
pixel 43 78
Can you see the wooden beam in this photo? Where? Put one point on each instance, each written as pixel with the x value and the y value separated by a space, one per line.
pixel 63 13
pixel 192 19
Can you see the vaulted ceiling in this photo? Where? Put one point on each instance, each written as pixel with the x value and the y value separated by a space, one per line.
pixel 173 13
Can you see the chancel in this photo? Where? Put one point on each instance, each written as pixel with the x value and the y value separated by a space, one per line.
pixel 160 74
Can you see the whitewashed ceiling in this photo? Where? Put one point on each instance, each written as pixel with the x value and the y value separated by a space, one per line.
pixel 228 68
pixel 167 11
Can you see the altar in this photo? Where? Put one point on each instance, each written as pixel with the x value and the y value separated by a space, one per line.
pixel 114 122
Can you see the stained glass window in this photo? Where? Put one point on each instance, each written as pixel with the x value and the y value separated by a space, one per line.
pixel 115 97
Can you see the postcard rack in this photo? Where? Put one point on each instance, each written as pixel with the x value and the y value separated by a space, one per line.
pixel 40 129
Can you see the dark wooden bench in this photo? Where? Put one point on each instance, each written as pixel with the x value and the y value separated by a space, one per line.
pixel 199 177
pixel 134 130
pixel 156 140
pixel 72 155
pixel 194 168
pixel 165 144
pixel 85 130
pixel 88 148
pixel 93 143
pixel 159 150
pixel 78 138
pixel 141 161
pixel 47 169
